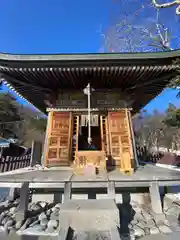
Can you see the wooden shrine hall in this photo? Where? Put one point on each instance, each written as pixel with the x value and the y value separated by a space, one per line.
pixel 90 99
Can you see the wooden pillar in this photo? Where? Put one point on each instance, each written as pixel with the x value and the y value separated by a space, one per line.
pixel 77 163
pixel 103 142
pixel 48 126
pixel 126 143
pixel 135 158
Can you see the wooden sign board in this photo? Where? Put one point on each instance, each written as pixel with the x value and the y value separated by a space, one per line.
pixel 71 99
pixel 108 100
pixel 99 99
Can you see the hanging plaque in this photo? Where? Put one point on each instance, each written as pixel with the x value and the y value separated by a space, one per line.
pixel 72 99
pixel 108 100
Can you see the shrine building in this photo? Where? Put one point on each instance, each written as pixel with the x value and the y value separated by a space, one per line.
pixel 89 99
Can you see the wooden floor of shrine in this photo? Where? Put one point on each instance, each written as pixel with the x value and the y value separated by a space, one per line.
pixel 55 178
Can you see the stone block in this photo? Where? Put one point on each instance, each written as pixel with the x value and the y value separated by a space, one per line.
pixel 140 198
pixel 164 229
pixel 90 214
pixel 159 219
pixel 89 170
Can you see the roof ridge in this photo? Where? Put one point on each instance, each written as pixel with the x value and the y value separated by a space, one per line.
pixel 89 56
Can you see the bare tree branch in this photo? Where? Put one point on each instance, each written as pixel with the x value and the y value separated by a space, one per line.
pixel 162 35
pixel 167 5
pixel 127 36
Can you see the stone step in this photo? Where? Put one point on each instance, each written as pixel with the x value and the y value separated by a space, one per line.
pixel 91 214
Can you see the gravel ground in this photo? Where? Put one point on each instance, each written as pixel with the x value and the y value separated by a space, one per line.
pixel 41 217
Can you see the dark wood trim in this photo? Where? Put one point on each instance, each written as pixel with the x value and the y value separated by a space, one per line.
pixel 132 79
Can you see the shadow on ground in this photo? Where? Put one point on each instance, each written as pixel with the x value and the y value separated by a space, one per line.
pixel 126 214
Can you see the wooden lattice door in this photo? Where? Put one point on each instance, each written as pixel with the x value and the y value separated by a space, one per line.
pixel 59 139
pixel 120 139
pixel 104 135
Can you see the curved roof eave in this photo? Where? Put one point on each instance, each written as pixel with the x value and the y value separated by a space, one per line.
pixel 11 64
pixel 90 56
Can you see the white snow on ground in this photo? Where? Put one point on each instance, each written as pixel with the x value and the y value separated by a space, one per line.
pixel 176 188
pixel 20 170
pixel 163 150
pixel 168 166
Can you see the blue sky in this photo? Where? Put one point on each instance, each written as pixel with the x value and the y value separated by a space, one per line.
pixel 60 26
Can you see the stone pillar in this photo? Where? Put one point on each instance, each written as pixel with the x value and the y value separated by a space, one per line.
pixel 67 191
pixel 155 199
pixel 24 200
pixel 111 190
pixel 36 153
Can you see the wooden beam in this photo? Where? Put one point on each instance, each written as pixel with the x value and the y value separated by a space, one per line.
pixel 77 137
pixel 70 136
pixel 29 85
pixel 153 81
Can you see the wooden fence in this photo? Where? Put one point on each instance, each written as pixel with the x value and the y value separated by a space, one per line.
pixel 11 163
pixel 144 155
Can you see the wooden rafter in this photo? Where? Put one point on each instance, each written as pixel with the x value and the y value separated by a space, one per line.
pixel 35 75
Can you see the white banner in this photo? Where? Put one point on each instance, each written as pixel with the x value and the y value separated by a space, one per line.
pixel 94 120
